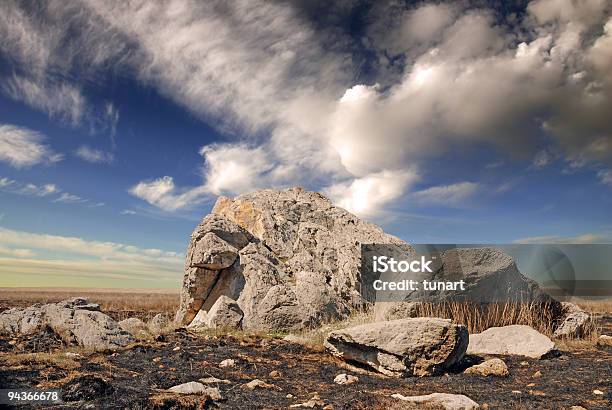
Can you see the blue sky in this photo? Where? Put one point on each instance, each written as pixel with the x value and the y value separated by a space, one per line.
pixel 459 122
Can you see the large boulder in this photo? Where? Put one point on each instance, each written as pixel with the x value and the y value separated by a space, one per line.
pixel 76 321
pixel 404 347
pixel 517 340
pixel 489 274
pixel 293 260
pixel 289 258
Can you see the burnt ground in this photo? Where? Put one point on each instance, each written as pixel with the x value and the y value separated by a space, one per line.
pixel 133 378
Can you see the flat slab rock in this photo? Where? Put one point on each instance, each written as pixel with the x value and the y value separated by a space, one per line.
pixel 76 321
pixel 404 347
pixel 518 340
pixel 441 400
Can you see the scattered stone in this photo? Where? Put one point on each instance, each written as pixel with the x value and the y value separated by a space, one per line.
pixel 176 349
pixel 577 408
pixel 75 321
pixel 227 363
pixel 157 359
pixel 531 385
pixel 258 384
pixel 289 396
pixel 444 400
pixel 524 363
pixel 135 327
pixel 536 375
pixel 598 392
pixel 73 355
pixel 492 367
pixel 574 322
pixel 214 380
pixel 517 340
pixel 197 388
pixel 517 392
pixel 604 340
pixel 404 347
pixel 275 374
pixel 158 324
pixel 225 313
pixel 344 378
pixel 310 404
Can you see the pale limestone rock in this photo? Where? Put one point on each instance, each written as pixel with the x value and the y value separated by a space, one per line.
pixel 135 327
pixel 404 347
pixel 492 367
pixel 197 388
pixel 344 378
pixel 445 400
pixel 574 322
pixel 604 340
pixel 519 340
pixel 225 313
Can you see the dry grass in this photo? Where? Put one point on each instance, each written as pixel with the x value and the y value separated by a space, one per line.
pixel 56 360
pixel 594 305
pixel 123 302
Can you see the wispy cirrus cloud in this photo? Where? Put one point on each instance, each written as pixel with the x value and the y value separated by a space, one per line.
pixel 51 191
pixel 586 238
pixel 453 194
pixel 93 155
pixel 22 147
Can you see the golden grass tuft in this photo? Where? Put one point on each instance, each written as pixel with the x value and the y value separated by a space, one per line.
pixel 57 360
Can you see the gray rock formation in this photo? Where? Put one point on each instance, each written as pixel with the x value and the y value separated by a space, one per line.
pixel 404 347
pixel 289 258
pixel 76 321
pixel 490 275
pixel 575 322
pixel 519 340
pixel 225 313
pixel 444 401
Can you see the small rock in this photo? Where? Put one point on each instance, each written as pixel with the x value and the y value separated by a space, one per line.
pixel 492 367
pixel 604 340
pixel 156 359
pixel 310 404
pixel 275 374
pixel 444 400
pixel 227 363
pixel 73 355
pixel 12 342
pixel 176 349
pixel 577 408
pixel 256 383
pixel 344 378
pixel 531 385
pixel 598 392
pixel 214 380
pixel 516 392
pixel 158 324
pixel 197 388
pixel 536 375
pixel 289 396
pixel 135 327
pixel 524 363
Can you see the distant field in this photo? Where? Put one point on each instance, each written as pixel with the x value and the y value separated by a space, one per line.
pixel 119 303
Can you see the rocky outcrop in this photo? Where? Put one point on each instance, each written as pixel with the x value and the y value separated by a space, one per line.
pixel 75 321
pixel 575 322
pixel 490 276
pixel 289 258
pixel 519 340
pixel 405 347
